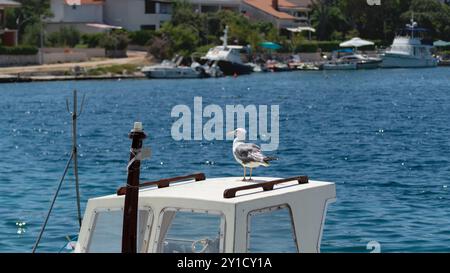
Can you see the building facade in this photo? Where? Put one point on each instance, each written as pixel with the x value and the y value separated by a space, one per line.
pixel 8 37
pixel 151 14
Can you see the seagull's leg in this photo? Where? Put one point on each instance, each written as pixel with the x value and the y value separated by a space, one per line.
pixel 250 179
pixel 244 179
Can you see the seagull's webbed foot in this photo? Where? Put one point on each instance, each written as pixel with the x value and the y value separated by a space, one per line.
pixel 245 179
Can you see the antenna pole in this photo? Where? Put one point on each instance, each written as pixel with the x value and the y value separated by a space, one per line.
pixel 74 152
pixel 130 212
pixel 73 156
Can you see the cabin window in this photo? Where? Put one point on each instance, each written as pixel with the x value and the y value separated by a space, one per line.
pixel 191 231
pixel 106 230
pixel 271 230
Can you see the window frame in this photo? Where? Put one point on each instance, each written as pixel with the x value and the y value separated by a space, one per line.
pixel 157 247
pixel 269 210
pixel 147 9
pixel 145 236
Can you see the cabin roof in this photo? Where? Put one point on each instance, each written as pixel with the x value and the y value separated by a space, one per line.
pixel 212 190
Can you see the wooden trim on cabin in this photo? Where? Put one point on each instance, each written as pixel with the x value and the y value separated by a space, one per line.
pixel 266 186
pixel 165 182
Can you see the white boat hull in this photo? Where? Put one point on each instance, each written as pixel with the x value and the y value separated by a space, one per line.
pixel 342 66
pixel 173 73
pixel 391 60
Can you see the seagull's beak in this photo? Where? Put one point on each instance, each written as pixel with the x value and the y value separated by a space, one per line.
pixel 231 133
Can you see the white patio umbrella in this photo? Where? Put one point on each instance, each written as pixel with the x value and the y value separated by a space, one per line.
pixel 300 29
pixel 356 42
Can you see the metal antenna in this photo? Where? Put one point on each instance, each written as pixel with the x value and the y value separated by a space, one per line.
pixel 75 114
pixel 73 156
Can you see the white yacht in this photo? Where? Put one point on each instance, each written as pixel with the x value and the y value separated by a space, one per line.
pixel 409 50
pixel 227 58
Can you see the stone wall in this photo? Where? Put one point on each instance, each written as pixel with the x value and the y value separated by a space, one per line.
pixel 68 55
pixel 18 60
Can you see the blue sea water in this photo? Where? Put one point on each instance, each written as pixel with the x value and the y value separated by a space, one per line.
pixel 382 135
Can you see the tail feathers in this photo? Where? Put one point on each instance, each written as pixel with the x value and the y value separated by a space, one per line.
pixel 267 159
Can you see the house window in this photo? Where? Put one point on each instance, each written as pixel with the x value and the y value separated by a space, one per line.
pixel 189 231
pixel 209 8
pixel 2 18
pixel 106 230
pixel 265 236
pixel 165 8
pixel 148 27
pixel 150 7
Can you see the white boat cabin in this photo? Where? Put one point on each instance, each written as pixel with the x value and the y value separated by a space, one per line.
pixel 213 216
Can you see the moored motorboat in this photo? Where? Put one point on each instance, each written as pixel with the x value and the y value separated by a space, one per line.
pixel 410 50
pixel 227 58
pixel 173 70
pixel 362 61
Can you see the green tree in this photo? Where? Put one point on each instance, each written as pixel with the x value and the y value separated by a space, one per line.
pixel 327 18
pixel 430 14
pixel 27 19
pixel 65 37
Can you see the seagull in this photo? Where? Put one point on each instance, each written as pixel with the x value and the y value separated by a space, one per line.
pixel 248 154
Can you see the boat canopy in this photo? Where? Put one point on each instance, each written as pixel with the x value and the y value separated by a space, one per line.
pixel 270 45
pixel 356 42
pixel 300 29
pixel 344 50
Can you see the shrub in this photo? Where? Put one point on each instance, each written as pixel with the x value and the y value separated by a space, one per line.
pixel 31 35
pixel 314 46
pixel 160 48
pixel 114 69
pixel 116 40
pixel 141 37
pixel 18 50
pixel 92 40
pixel 66 36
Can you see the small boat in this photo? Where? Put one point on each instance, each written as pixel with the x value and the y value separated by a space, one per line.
pixel 349 56
pixel 410 49
pixel 308 67
pixel 227 58
pixel 276 66
pixel 173 70
pixel 444 62
pixel 363 61
pixel 223 214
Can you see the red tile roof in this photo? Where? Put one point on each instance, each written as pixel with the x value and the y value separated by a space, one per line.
pixel 266 6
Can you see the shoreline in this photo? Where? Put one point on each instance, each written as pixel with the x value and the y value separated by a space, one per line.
pixel 48 78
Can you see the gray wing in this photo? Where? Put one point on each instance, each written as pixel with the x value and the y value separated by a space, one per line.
pixel 249 152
